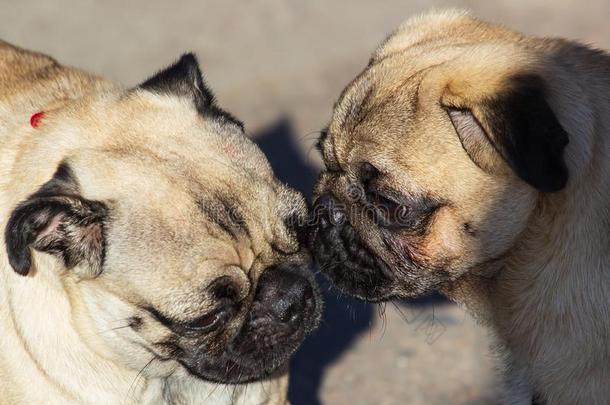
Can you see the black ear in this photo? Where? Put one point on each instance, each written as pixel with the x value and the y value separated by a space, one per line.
pixel 520 126
pixel 58 221
pixel 184 79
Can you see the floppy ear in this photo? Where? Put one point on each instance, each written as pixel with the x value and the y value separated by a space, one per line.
pixel 518 125
pixel 58 221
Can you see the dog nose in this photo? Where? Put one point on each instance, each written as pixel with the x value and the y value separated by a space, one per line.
pixel 328 212
pixel 284 295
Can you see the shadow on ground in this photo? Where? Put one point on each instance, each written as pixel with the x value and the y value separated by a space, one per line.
pixel 344 318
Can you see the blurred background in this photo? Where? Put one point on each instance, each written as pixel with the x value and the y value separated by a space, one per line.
pixel 279 65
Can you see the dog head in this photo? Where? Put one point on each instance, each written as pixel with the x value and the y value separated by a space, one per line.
pixel 175 243
pixel 437 155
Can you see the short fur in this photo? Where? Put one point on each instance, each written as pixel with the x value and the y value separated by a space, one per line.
pixel 509 134
pixel 135 220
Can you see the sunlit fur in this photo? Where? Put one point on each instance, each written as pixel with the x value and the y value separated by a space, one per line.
pixel 70 338
pixel 533 265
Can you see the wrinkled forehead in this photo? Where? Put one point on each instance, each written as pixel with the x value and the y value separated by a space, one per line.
pixel 142 131
pixel 158 153
pixel 178 215
pixel 170 125
pixel 394 77
pixel 377 107
pixel 146 179
pixel 404 89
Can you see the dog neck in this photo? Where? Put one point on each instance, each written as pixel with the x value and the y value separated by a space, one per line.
pixel 55 362
pixel 561 263
pixel 549 299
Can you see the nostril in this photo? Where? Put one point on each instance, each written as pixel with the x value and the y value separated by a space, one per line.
pixel 289 313
pixel 295 317
pixel 327 212
pixel 283 296
pixel 296 303
pixel 337 216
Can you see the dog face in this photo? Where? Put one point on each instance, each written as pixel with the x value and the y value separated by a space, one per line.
pixel 436 157
pixel 167 228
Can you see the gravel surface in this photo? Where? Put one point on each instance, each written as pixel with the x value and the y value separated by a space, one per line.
pixel 279 66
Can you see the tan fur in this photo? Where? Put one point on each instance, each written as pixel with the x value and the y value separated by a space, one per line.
pixel 538 269
pixel 63 337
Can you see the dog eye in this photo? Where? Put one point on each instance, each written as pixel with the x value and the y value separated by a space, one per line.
pixel 209 322
pixel 368 173
pixel 319 146
pixel 388 211
pixel 296 224
pixel 320 141
pixel 205 321
pixel 204 324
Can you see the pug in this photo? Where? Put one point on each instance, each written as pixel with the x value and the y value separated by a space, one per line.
pixel 150 256
pixel 475 161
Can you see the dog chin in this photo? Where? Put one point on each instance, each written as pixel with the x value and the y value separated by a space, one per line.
pixel 229 371
pixel 239 365
pixel 258 352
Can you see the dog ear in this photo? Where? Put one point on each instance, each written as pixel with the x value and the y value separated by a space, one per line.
pixel 58 221
pixel 184 79
pixel 519 125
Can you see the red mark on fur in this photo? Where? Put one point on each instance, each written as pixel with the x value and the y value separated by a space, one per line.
pixel 36 118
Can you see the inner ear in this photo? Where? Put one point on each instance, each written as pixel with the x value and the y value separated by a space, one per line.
pixel 58 221
pixel 474 140
pixel 518 125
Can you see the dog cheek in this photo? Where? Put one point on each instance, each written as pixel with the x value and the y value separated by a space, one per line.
pixel 446 238
pixel 414 249
pixel 441 247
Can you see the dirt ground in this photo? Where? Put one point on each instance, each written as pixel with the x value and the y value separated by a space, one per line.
pixel 279 66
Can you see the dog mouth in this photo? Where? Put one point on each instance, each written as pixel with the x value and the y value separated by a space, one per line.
pixel 286 308
pixel 230 370
pixel 349 264
pixel 252 356
pixel 356 269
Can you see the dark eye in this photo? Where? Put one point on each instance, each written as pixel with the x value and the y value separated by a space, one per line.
pixel 320 141
pixel 319 146
pixel 204 324
pixel 209 322
pixel 389 212
pixel 368 173
pixel 297 224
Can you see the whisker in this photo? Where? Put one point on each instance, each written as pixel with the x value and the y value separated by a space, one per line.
pixel 310 135
pixel 402 314
pixel 133 383
pixel 216 385
pixel 381 310
pixel 113 329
